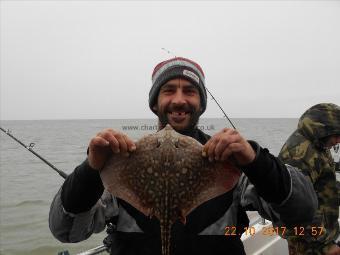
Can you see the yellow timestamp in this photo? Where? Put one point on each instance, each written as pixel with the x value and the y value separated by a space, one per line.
pixel 233 231
pixel 296 231
pixel 270 231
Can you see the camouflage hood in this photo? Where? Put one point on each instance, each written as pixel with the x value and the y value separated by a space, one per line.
pixel 320 121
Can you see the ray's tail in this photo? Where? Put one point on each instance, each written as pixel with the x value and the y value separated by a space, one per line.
pixel 165 238
pixel 165 223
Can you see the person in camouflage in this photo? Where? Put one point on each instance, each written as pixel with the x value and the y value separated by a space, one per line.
pixel 308 149
pixel 336 157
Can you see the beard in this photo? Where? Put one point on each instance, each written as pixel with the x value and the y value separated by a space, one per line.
pixel 193 121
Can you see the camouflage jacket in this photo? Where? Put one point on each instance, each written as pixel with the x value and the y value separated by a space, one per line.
pixel 305 149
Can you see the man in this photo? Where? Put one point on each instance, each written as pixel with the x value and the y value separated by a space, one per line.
pixel 308 149
pixel 178 97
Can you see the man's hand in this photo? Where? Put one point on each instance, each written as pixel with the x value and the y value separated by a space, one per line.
pixel 334 250
pixel 227 143
pixel 105 143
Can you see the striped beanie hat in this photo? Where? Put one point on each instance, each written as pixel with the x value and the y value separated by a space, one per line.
pixel 177 68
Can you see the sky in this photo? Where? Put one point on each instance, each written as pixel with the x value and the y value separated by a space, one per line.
pixel 94 59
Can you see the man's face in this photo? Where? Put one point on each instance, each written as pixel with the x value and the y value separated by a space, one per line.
pixel 332 140
pixel 178 104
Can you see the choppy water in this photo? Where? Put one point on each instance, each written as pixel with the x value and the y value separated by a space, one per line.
pixel 27 185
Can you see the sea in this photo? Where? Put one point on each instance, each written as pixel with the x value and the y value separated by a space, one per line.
pixel 28 185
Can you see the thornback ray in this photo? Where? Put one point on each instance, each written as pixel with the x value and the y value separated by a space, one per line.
pixel 167 177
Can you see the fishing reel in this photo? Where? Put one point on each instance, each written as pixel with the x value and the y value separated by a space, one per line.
pixel 107 242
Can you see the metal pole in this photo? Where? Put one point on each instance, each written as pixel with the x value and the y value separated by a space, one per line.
pixel 96 250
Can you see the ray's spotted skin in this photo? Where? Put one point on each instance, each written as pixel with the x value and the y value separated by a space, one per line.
pixel 167 177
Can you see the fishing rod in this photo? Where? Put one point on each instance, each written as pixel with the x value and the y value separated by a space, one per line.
pixel 168 51
pixel 225 115
pixel 30 148
pixel 96 250
pixel 213 98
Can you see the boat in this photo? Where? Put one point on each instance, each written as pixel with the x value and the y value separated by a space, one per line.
pixel 257 242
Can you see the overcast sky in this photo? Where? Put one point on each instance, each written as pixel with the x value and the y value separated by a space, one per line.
pixel 94 59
